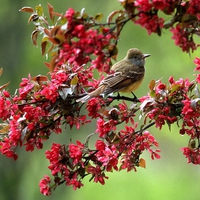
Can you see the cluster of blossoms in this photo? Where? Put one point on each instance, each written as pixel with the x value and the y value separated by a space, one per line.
pixel 36 111
pixel 191 122
pixel 114 151
pixel 184 16
pixel 82 41
pixel 80 46
pixel 178 102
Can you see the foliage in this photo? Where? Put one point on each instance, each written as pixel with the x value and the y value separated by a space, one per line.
pixel 78 45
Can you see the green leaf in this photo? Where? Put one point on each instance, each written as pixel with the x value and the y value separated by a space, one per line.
pixel 74 80
pixel 188 18
pixel 196 91
pixel 39 10
pixel 174 87
pixel 98 17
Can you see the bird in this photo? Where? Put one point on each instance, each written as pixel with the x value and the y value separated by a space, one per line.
pixel 127 76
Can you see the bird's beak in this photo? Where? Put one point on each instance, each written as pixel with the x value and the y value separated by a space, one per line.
pixel 146 55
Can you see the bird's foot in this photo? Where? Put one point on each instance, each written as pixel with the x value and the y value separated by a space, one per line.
pixel 135 99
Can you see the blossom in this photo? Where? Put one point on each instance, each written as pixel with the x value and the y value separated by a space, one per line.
pixel 74 182
pixel 194 8
pixel 183 39
pixel 6 148
pixel 44 185
pixel 197 62
pixel 152 23
pixel 104 127
pixel 5 106
pixel 70 14
pixel 193 155
pixel 197 68
pixel 75 151
pixel 94 107
pixel 107 155
pixel 50 92
pixel 144 5
pixel 191 115
pixel 159 4
pixel 97 173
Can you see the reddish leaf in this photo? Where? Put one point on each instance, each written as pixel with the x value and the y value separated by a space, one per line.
pixel 1 71
pixel 47 31
pixel 53 63
pixel 34 36
pixel 57 14
pixel 40 79
pixel 54 40
pixel 152 85
pixel 27 9
pixel 43 47
pixel 50 10
pixel 111 15
pixel 33 17
pixel 60 38
pixel 113 52
pixel 142 163
pixel 54 30
pixel 47 64
pixel 4 86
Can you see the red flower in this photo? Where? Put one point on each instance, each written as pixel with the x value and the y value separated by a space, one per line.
pixel 143 5
pixel 159 4
pixel 100 145
pixel 194 8
pixel 44 185
pixel 75 151
pixel 97 173
pixel 108 156
pixel 183 39
pixel 104 127
pixel 93 107
pixel 197 62
pixel 50 92
pixel 6 147
pixel 69 13
pixel 151 22
pixel 74 182
pixel 193 155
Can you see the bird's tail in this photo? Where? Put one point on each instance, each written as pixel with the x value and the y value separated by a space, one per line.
pixel 84 99
pixel 90 95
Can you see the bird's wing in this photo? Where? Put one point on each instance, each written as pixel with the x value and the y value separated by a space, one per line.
pixel 119 80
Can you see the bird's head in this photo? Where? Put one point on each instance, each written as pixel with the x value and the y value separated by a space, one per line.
pixel 136 57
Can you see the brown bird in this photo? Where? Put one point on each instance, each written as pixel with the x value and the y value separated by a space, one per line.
pixel 127 77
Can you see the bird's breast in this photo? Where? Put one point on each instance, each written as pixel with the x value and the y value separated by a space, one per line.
pixel 132 87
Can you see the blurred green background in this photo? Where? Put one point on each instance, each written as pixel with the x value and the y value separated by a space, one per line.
pixel 168 178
